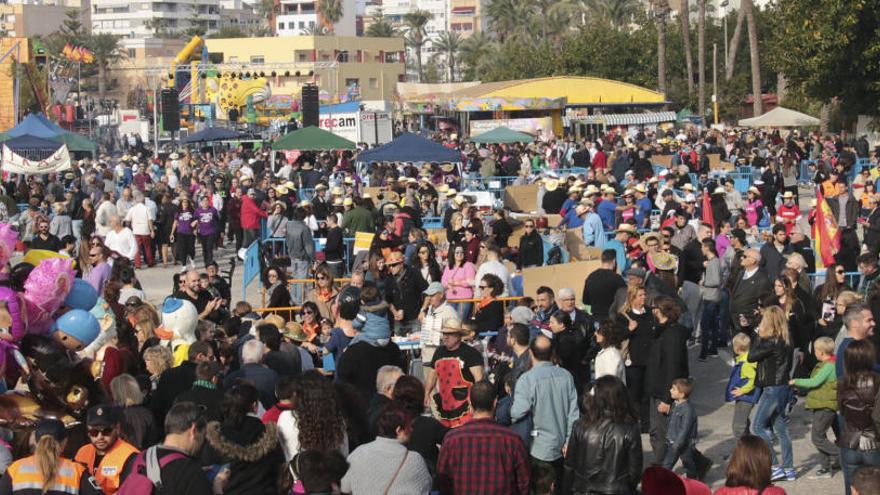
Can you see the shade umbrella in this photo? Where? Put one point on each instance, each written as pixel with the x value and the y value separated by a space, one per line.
pixel 312 139
pixel 76 142
pixel 212 134
pixel 410 147
pixel 781 117
pixel 502 135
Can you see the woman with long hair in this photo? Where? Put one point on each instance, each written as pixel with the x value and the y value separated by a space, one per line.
pixel 826 293
pixel 88 219
pixel 427 432
pixel 772 350
pixel 626 211
pixel 635 317
pixel 183 233
pixel 609 361
pixel 324 292
pixel 604 452
pixel 138 426
pixel 276 225
pixel 425 262
pixel 754 207
pixel 490 311
pixel 46 471
pixel 800 331
pixel 157 359
pixel 315 422
pixel 500 229
pixel 279 294
pixel 458 280
pixel 241 441
pixel 749 469
pixel 857 394
pixel 455 231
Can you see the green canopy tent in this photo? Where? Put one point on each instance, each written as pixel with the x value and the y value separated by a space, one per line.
pixel 502 135
pixel 76 142
pixel 312 139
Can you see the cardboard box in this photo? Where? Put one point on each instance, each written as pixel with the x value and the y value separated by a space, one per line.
pixel 521 198
pixel 571 275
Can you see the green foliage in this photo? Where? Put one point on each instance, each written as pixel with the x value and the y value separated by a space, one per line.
pixel 331 11
pixel 834 52
pixel 229 32
pixel 381 27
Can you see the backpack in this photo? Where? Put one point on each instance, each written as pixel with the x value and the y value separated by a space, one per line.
pixel 146 472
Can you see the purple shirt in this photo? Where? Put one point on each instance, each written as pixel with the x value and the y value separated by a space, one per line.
pixel 184 222
pixel 208 219
pixel 98 276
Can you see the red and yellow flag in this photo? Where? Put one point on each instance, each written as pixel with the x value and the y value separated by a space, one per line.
pixel 826 235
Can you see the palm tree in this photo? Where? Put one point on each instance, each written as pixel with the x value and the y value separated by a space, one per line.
pixel 475 52
pixel 733 44
pixel 701 56
pixel 416 34
pixel 509 19
pixel 754 54
pixel 331 12
pixel 615 13
pixel 316 30
pixel 268 9
pixel 448 43
pixel 107 52
pixel 381 27
pixel 661 10
pixel 157 25
pixel 684 15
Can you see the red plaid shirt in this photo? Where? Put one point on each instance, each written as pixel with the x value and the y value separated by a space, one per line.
pixel 483 458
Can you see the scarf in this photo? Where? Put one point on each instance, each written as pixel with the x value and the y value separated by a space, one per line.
pixel 324 295
pixel 485 301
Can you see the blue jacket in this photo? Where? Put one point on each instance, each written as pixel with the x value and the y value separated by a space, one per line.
pixel 682 430
pixel 643 211
pixel 737 380
pixel 572 220
pixel 547 393
pixel 594 234
pixel 607 211
pixel 622 260
pixel 523 427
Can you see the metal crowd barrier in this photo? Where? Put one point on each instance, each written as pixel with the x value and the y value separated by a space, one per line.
pixel 291 310
pixel 852 279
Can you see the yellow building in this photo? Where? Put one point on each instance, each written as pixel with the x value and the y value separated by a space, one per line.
pixel 467 17
pixel 335 63
pixel 7 82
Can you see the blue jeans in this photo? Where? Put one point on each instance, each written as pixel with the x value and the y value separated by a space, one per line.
pixel 709 328
pixel 463 309
pixel 299 270
pixel 770 411
pixel 851 460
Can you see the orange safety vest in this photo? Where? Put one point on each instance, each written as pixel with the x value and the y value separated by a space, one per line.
pixel 25 475
pixel 110 470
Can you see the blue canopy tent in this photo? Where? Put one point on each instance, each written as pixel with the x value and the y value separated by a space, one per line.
pixel 30 145
pixel 410 147
pixel 38 125
pixel 212 134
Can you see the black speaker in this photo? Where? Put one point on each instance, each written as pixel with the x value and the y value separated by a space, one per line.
pixel 310 109
pixel 232 115
pixel 170 110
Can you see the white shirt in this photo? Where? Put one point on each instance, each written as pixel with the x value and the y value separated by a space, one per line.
pixel 138 217
pixel 122 242
pixel 747 274
pixel 610 362
pixel 288 432
pixel 153 207
pixel 102 217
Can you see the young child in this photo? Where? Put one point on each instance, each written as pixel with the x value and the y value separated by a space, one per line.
pixel 372 320
pixel 681 435
pixel 741 385
pixel 822 400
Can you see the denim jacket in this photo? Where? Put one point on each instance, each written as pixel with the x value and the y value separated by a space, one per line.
pixel 682 431
pixel 547 392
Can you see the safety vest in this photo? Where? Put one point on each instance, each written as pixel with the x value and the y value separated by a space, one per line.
pixel 110 470
pixel 26 477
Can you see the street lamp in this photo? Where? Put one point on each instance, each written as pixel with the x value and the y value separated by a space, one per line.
pixel 335 86
pixel 724 4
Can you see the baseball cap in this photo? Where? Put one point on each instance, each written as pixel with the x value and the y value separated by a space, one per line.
pixel 433 289
pixel 102 415
pixel 521 314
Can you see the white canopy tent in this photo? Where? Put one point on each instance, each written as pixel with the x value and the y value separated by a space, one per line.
pixel 781 117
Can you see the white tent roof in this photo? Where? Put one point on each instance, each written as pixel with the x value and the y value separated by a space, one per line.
pixel 781 117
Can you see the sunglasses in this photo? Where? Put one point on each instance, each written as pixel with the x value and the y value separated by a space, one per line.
pixel 308 312
pixel 529 226
pixel 840 272
pixel 321 277
pixel 484 286
pixel 94 432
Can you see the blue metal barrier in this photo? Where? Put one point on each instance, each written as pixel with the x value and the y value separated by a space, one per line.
pixel 276 245
pixel 808 171
pixel 251 267
pixel 432 222
pixel 21 207
pixel 852 279
pixel 571 171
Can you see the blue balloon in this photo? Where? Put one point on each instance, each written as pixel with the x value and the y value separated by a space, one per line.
pixel 82 295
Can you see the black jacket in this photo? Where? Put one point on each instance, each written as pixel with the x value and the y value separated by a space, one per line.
pixel 872 229
pixel 172 383
pixel 604 458
pixel 773 261
pixel 252 452
pixel 852 210
pixel 410 284
pixel 774 361
pixel 531 250
pixel 668 360
pixel 745 294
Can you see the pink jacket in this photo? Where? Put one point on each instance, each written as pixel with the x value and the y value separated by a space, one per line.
pixel 466 272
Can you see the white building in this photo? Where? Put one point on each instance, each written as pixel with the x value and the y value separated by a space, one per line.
pixel 299 17
pixel 395 10
pixel 135 19
pixel 242 15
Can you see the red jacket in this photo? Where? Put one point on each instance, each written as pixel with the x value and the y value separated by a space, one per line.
pixel 251 214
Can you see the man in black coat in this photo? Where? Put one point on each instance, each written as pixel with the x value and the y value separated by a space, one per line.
pixel 554 197
pixel 773 253
pixel 179 379
pixel 750 286
pixel 531 247
pixel 601 286
pixel 871 228
pixel 205 390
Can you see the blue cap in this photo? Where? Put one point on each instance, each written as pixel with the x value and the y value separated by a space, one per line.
pixel 171 304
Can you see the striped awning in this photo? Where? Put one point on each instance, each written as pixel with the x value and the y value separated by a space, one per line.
pixel 628 118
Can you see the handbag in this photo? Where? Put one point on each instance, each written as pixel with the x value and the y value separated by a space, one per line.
pixel 391 483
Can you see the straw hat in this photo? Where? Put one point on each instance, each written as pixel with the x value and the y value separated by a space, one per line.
pixel 447 167
pixel 719 190
pixel 305 203
pixel 294 331
pixel 281 204
pixel 459 200
pixel 575 189
pixel 788 195
pixel 337 202
pixel 664 261
pixel 551 184
pixel 347 202
pixel 274 320
pixel 320 186
pixel 453 326
pixel 451 193
pixel 442 188
pixel 336 191
pixel 394 258
pixel 591 190
pixel 755 190
pixel 641 189
pixel 627 227
pixel 688 187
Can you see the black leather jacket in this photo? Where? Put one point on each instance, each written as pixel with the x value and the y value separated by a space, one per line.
pixel 774 361
pixel 606 458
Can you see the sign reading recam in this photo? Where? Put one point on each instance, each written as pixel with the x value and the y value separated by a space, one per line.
pixel 359 126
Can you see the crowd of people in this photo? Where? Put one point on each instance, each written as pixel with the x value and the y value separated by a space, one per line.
pixel 418 365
